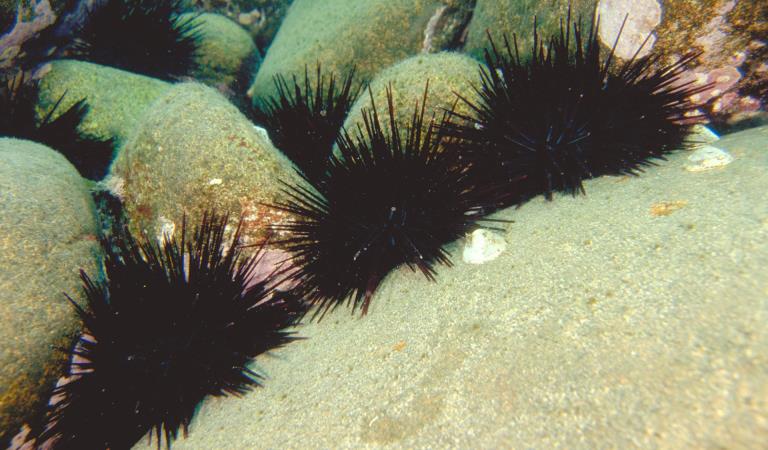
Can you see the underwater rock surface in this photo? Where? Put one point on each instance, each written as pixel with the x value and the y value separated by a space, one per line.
pixel 224 49
pixel 193 151
pixel 261 18
pixel 47 232
pixel 449 73
pixel 732 36
pixel 602 325
pixel 369 35
pixel 20 21
pixel 117 98
pixel 500 17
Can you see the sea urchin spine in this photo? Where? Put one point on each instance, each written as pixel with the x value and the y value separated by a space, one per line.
pixel 172 324
pixel 567 114
pixel 58 130
pixel 387 199
pixel 304 122
pixel 149 37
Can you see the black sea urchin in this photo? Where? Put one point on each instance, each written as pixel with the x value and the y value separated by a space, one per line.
pixel 305 122
pixel 172 324
pixel 385 200
pixel 143 36
pixel 90 155
pixel 566 114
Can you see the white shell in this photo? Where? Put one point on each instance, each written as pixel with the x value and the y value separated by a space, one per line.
pixel 482 246
pixel 702 133
pixel 708 157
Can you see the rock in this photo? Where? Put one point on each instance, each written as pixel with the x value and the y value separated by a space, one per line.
pixel 731 35
pixel 117 98
pixel 260 18
pixel 47 233
pixel 340 34
pixel 226 51
pixel 600 326
pixel 508 17
pixel 21 21
pixel 642 18
pixel 448 73
pixel 193 151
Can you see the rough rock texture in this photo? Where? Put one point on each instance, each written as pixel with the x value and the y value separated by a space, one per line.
pixel 341 34
pixel 448 73
pixel 117 98
pixel 194 151
pixel 20 21
pixel 500 17
pixel 732 36
pixel 261 18
pixel 47 233
pixel 226 50
pixel 603 325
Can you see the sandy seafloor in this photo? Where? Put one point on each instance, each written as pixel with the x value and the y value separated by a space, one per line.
pixel 600 326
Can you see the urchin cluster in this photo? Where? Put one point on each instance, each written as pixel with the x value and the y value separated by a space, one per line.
pixel 305 121
pixel 173 323
pixel 539 126
pixel 388 198
pixel 149 37
pixel 90 155
pixel 567 114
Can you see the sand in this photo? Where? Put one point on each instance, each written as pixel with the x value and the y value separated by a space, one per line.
pixel 612 320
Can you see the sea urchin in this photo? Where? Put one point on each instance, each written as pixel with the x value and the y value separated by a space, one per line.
pixel 60 131
pixel 304 122
pixel 567 114
pixel 150 37
pixel 386 199
pixel 173 323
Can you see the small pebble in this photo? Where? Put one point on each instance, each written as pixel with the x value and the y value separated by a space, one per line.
pixel 707 158
pixel 245 19
pixel 482 246
pixel 662 209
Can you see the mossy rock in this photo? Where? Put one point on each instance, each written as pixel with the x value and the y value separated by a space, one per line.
pixel 117 99
pixel 448 73
pixel 515 17
pixel 225 51
pixel 47 234
pixel 260 18
pixel 341 34
pixel 194 151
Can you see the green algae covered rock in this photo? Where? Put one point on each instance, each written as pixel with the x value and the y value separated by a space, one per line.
pixel 47 233
pixel 340 34
pixel 224 50
pixel 260 18
pixel 194 151
pixel 117 98
pixel 510 17
pixel 448 73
